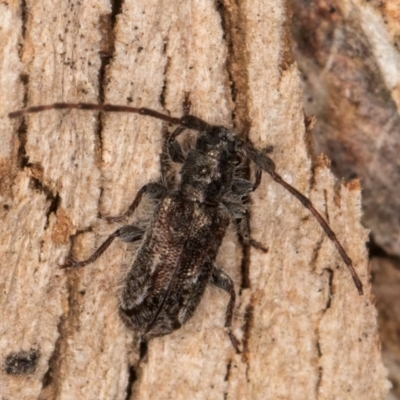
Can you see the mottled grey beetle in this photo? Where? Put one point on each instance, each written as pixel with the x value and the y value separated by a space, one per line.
pixel 175 259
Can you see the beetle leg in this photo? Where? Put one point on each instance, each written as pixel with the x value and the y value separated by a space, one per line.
pixel 154 190
pixel 222 280
pixel 128 234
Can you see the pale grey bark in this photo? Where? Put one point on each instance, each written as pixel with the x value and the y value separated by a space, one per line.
pixel 307 333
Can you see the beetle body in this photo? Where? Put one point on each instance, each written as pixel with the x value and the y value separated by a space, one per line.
pixel 175 260
pixel 173 265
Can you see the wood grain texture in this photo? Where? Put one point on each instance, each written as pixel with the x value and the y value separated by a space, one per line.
pixel 307 333
pixel 348 53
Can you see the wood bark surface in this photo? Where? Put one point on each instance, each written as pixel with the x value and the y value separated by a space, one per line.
pixel 386 289
pixel 306 332
pixel 348 53
pixel 349 58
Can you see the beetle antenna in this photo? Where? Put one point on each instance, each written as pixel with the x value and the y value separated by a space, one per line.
pixel 266 164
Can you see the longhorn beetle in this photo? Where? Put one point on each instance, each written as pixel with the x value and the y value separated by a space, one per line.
pixel 175 260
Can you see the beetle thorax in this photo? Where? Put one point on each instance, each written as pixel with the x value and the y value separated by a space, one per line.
pixel 207 178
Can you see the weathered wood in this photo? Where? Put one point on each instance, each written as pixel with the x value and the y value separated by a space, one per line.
pixel 348 53
pixel 307 333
